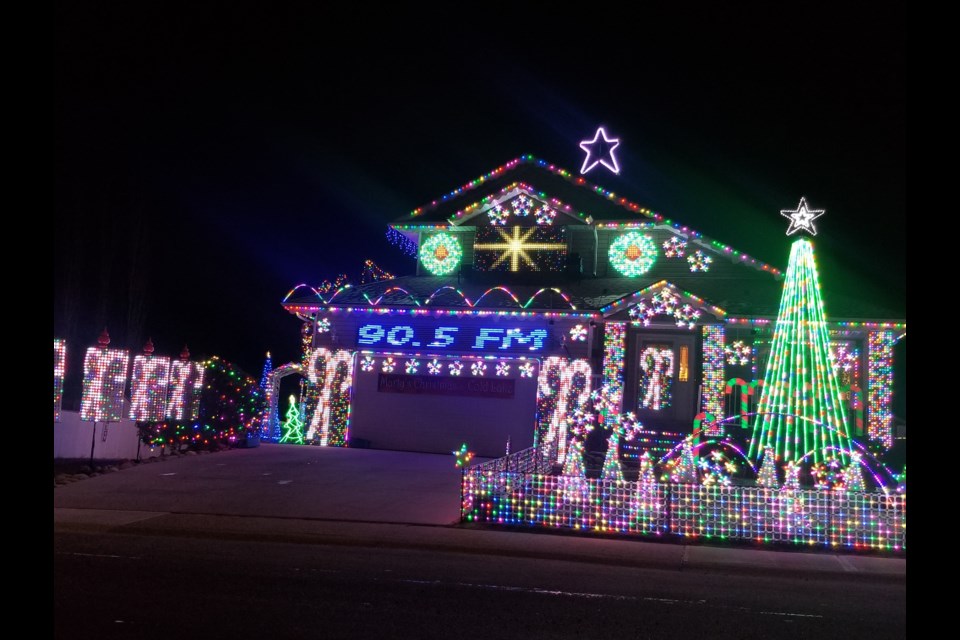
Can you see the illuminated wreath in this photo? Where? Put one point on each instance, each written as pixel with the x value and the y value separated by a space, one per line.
pixel 440 254
pixel 632 254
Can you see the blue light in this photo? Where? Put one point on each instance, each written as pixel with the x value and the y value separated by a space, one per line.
pixel 465 338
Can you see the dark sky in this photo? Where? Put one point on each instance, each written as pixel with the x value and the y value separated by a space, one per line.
pixel 209 159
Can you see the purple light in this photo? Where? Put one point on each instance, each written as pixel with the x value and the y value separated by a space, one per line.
pixel 597 149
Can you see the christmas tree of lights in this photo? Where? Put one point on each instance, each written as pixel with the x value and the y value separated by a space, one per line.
pixel 767 476
pixel 683 470
pixel 611 463
pixel 800 410
pixel 293 425
pixel 853 475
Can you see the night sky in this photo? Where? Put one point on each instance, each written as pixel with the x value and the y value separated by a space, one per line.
pixel 209 159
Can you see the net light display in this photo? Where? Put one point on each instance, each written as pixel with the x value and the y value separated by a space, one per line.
pixel 880 386
pixel 329 375
pixel 515 491
pixel 186 385
pixel 104 381
pixel 441 253
pixel 149 386
pixel 800 408
pixel 59 369
pixel 656 375
pixel 632 254
pixel 614 353
pixel 520 249
pixel 713 374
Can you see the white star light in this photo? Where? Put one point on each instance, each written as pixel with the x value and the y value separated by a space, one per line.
pixel 802 218
pixel 597 151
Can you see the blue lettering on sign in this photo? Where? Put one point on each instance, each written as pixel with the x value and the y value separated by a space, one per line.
pixel 487 335
pixel 400 341
pixel 468 337
pixel 538 336
pixel 441 337
pixel 371 334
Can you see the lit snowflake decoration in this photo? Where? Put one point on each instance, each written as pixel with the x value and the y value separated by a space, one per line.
pixel 434 367
pixel 455 368
pixel 666 303
pixel 498 215
pixel 844 358
pixel 717 469
pixel 412 366
pixel 478 368
pixel 699 261
pixel 323 326
pixel 580 423
pixel 503 369
pixel 545 215
pixel 738 353
pixel 367 365
pixel 687 316
pixel 526 370
pixel 629 426
pixel 674 247
pixel 388 365
pixel 578 333
pixel 521 206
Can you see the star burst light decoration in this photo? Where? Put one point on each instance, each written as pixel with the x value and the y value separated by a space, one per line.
pixel 434 367
pixel 516 247
pixel 367 364
pixel 323 326
pixel 503 369
pixel 801 218
pixel 463 456
pixel 578 333
pixel 412 366
pixel 478 368
pixel 526 370
pixel 455 368
pixel 600 151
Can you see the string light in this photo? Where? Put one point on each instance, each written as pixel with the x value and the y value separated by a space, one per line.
pixel 104 380
pixel 59 369
pixel 149 385
pixel 713 383
pixel 800 396
pixel 738 353
pixel 293 425
pixel 578 333
pixel 880 386
pixel 656 365
pixel 614 349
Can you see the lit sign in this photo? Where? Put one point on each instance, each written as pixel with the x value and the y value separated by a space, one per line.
pixel 450 338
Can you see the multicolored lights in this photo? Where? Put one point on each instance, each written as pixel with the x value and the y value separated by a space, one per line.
pixel 440 254
pixel 632 254
pixel 59 369
pixel 880 386
pixel 149 386
pixel 614 352
pixel 800 408
pixel 104 381
pixel 518 248
pixel 186 383
pixel 713 382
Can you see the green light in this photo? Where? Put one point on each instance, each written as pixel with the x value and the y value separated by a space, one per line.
pixel 633 254
pixel 440 254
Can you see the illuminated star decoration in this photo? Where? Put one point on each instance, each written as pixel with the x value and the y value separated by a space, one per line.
pixel 600 151
pixel 515 247
pixel 463 455
pixel 802 218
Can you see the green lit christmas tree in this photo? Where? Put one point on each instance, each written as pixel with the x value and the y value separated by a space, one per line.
pixel 800 410
pixel 293 425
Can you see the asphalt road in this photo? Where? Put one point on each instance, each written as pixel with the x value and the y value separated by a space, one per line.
pixel 110 585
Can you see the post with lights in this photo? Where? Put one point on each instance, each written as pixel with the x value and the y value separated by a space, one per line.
pixel 104 380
